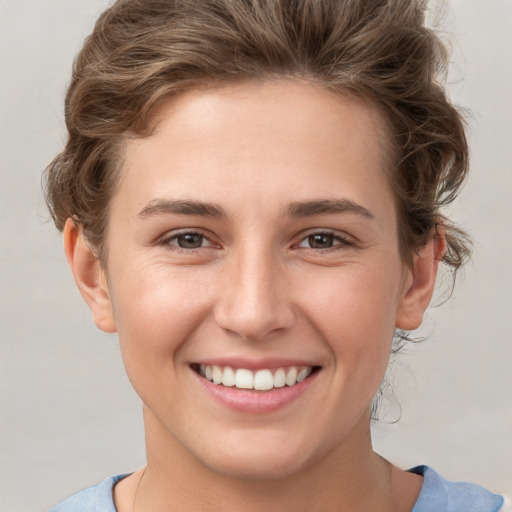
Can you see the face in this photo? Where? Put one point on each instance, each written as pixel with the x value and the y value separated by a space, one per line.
pixel 252 242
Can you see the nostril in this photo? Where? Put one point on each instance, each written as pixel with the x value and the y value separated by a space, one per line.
pixel 256 321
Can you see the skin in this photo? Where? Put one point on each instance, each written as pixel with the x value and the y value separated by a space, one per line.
pixel 256 287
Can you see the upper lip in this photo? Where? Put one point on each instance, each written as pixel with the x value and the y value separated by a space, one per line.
pixel 255 364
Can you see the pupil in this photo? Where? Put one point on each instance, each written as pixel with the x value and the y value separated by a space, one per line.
pixel 320 241
pixel 190 241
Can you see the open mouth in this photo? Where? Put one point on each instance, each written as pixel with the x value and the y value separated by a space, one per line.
pixel 260 380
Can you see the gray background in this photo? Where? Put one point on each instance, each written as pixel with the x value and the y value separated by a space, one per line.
pixel 68 415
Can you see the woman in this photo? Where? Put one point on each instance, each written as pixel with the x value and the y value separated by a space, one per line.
pixel 251 197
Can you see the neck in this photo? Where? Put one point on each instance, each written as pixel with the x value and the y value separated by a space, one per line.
pixel 351 478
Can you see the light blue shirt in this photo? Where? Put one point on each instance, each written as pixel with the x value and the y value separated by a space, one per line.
pixel 437 495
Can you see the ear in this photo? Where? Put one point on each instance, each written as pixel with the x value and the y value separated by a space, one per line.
pixel 420 282
pixel 89 276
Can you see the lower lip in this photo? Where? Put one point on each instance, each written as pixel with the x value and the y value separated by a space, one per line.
pixel 256 402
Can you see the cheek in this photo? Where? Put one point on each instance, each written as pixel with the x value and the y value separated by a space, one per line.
pixel 157 311
pixel 157 314
pixel 354 312
pixel 360 299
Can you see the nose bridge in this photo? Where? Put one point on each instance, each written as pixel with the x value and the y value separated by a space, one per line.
pixel 254 302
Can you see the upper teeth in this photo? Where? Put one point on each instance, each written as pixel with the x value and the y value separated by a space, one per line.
pixel 260 380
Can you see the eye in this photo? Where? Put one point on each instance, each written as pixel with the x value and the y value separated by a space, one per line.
pixel 323 241
pixel 320 240
pixel 188 240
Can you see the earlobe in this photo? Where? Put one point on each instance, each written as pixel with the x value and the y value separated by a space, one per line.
pixel 89 276
pixel 420 283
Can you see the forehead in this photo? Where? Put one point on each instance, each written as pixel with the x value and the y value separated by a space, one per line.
pixel 272 138
pixel 273 103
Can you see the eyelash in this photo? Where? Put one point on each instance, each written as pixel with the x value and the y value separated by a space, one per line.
pixel 169 241
pixel 338 241
pixel 341 241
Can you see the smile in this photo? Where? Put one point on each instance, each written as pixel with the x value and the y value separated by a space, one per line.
pixel 255 388
pixel 260 380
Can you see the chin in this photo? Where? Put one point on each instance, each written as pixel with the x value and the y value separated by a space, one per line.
pixel 260 456
pixel 238 466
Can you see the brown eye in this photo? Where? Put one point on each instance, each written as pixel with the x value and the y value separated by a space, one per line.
pixel 189 240
pixel 320 241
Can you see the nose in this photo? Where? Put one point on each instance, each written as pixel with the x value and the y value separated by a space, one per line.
pixel 254 300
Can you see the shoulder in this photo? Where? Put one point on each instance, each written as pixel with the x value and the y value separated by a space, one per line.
pixel 93 499
pixel 441 495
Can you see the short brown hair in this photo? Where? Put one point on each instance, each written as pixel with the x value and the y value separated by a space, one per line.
pixel 143 51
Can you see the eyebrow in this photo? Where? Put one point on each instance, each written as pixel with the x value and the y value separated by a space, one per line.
pixel 297 209
pixel 182 207
pixel 327 207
